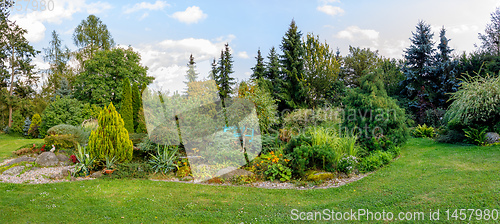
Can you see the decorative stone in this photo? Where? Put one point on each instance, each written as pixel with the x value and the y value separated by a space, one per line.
pixel 96 174
pixel 47 159
pixel 14 171
pixel 225 170
pixel 237 172
pixel 63 159
pixel 21 159
pixel 320 176
pixel 492 137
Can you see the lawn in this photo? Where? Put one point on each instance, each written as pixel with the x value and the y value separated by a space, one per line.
pixel 427 176
pixel 10 143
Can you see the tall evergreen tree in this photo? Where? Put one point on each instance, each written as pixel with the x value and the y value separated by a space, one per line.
pixel 191 75
pixel 225 69
pixel 272 66
pixel 213 72
pixel 126 108
pixel 258 69
pixel 64 89
pixel 491 38
pixel 418 68
pixel 136 104
pixel 293 93
pixel 445 70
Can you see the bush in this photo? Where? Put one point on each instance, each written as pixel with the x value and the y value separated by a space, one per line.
pixel 475 104
pixel 63 111
pixel 34 130
pixel 374 116
pixel 61 141
pixel 111 138
pixel 375 160
pixel 450 136
pixel 78 133
pixel 422 131
pixel 303 118
pixel 163 162
pixel 347 164
pixel 313 157
pixel 434 117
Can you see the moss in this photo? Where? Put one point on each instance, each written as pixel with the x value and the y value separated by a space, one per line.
pixel 320 176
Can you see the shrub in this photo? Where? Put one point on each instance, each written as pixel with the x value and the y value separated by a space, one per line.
pixel 279 172
pixel 450 136
pixel 374 116
pixel 347 164
pixel 434 117
pixel 375 160
pixel 17 124
pixel 34 130
pixel 26 127
pixel 313 157
pixel 85 162
pixel 110 138
pixel 63 111
pixel 475 104
pixel 423 131
pixel 78 133
pixel 265 106
pixel 303 118
pixel 61 141
pixel 476 136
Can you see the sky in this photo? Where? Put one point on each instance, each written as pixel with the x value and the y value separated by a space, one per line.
pixel 165 33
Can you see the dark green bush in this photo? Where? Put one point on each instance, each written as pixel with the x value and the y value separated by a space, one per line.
pixel 313 157
pixel 374 116
pixel 63 111
pixel 375 160
pixel 450 136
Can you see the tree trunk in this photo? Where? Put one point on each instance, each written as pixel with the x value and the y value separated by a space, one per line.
pixel 11 87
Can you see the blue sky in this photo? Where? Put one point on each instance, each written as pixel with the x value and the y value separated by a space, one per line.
pixel 165 33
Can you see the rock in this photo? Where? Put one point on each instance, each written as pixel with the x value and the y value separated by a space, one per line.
pixel 492 137
pixel 225 170
pixel 320 176
pixel 188 178
pixel 56 176
pixel 63 159
pixel 65 172
pixel 237 172
pixel 96 174
pixel 21 159
pixel 47 159
pixel 14 171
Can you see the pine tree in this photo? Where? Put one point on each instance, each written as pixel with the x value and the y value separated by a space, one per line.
pixel 259 69
pixel 293 93
pixel 111 138
pixel 213 71
pixel 418 69
pixel 127 109
pixel 136 104
pixel 64 89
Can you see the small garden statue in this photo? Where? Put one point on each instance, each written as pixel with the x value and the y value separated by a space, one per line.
pixel 53 149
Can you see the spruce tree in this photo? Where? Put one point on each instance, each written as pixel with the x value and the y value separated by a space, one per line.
pixel 259 69
pixel 293 93
pixel 191 75
pixel 111 138
pixel 136 104
pixel 445 72
pixel 64 89
pixel 418 69
pixel 272 66
pixel 26 127
pixel 127 109
pixel 225 69
pixel 213 71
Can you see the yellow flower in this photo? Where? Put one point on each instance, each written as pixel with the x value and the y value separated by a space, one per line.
pixel 272 152
pixel 268 158
pixel 262 161
pixel 185 164
pixel 281 154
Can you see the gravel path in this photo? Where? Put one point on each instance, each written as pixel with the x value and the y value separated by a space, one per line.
pixel 38 175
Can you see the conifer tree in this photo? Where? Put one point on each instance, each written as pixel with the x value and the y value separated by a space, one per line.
pixel 272 66
pixel 491 37
pixel 418 68
pixel 293 93
pixel 191 75
pixel 127 109
pixel 213 71
pixel 225 69
pixel 36 121
pixel 111 138
pixel 445 72
pixel 26 126
pixel 136 104
pixel 259 69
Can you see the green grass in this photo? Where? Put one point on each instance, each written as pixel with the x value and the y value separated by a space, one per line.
pixel 427 176
pixel 11 143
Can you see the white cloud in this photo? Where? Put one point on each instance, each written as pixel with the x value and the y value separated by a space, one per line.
pixel 354 32
pixel 192 14
pixel 34 21
pixel 167 59
pixel 328 1
pixel 243 54
pixel 330 10
pixel 158 5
